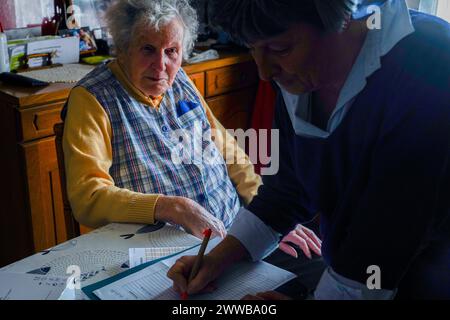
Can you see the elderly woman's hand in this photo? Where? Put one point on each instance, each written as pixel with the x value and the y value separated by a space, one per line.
pixel 188 214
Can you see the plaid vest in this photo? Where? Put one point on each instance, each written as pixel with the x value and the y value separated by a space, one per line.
pixel 143 143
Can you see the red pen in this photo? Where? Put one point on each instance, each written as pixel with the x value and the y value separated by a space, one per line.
pixel 198 260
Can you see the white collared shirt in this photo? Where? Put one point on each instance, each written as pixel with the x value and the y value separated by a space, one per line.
pixel 395 25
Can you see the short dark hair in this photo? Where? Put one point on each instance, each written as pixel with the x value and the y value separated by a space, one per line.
pixel 250 20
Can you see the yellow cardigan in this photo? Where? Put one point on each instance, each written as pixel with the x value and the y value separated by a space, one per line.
pixel 94 198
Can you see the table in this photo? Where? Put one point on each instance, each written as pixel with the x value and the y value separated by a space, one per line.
pixel 101 253
pixel 104 252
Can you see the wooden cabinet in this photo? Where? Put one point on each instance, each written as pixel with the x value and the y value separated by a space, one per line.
pixel 229 87
pixel 31 210
pixel 233 109
pixel 44 192
pixel 224 80
pixel 199 80
pixel 38 122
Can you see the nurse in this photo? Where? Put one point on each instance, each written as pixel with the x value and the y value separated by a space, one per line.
pixel 364 120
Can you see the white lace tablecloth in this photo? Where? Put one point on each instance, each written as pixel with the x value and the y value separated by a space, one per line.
pixel 67 73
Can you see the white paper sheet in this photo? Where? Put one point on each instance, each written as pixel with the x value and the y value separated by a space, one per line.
pixel 22 286
pixel 139 256
pixel 152 283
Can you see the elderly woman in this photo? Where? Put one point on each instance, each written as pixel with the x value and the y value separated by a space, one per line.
pixel 364 120
pixel 120 137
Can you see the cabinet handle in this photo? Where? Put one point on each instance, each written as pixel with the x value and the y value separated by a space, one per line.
pixel 216 82
pixel 35 122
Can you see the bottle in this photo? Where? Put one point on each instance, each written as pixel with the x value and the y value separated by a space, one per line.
pixel 60 14
pixel 4 56
pixel 48 27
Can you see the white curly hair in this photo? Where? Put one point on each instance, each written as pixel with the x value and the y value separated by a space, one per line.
pixel 123 16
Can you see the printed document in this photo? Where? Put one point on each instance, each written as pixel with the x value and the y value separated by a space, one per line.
pixel 152 282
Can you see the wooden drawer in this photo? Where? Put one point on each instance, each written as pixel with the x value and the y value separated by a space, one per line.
pixel 233 110
pixel 199 81
pixel 38 122
pixel 223 80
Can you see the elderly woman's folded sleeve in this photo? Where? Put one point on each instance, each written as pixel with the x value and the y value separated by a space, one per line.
pixel 94 198
pixel 240 169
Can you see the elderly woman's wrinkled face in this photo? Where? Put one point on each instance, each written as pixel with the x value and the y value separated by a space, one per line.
pixel 154 57
pixel 297 59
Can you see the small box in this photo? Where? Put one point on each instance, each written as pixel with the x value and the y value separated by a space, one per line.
pixel 66 50
pixel 16 50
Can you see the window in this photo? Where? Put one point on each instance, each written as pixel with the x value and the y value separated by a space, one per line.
pixel 26 13
pixel 441 8
pixel 32 12
pixel 90 12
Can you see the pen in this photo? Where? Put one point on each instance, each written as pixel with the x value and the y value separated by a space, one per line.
pixel 198 259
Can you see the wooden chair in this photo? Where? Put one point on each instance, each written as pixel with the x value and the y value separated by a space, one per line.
pixel 72 226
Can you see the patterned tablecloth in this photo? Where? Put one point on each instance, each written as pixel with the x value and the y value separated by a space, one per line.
pixel 103 252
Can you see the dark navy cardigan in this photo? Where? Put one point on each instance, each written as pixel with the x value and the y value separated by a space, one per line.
pixel 381 180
